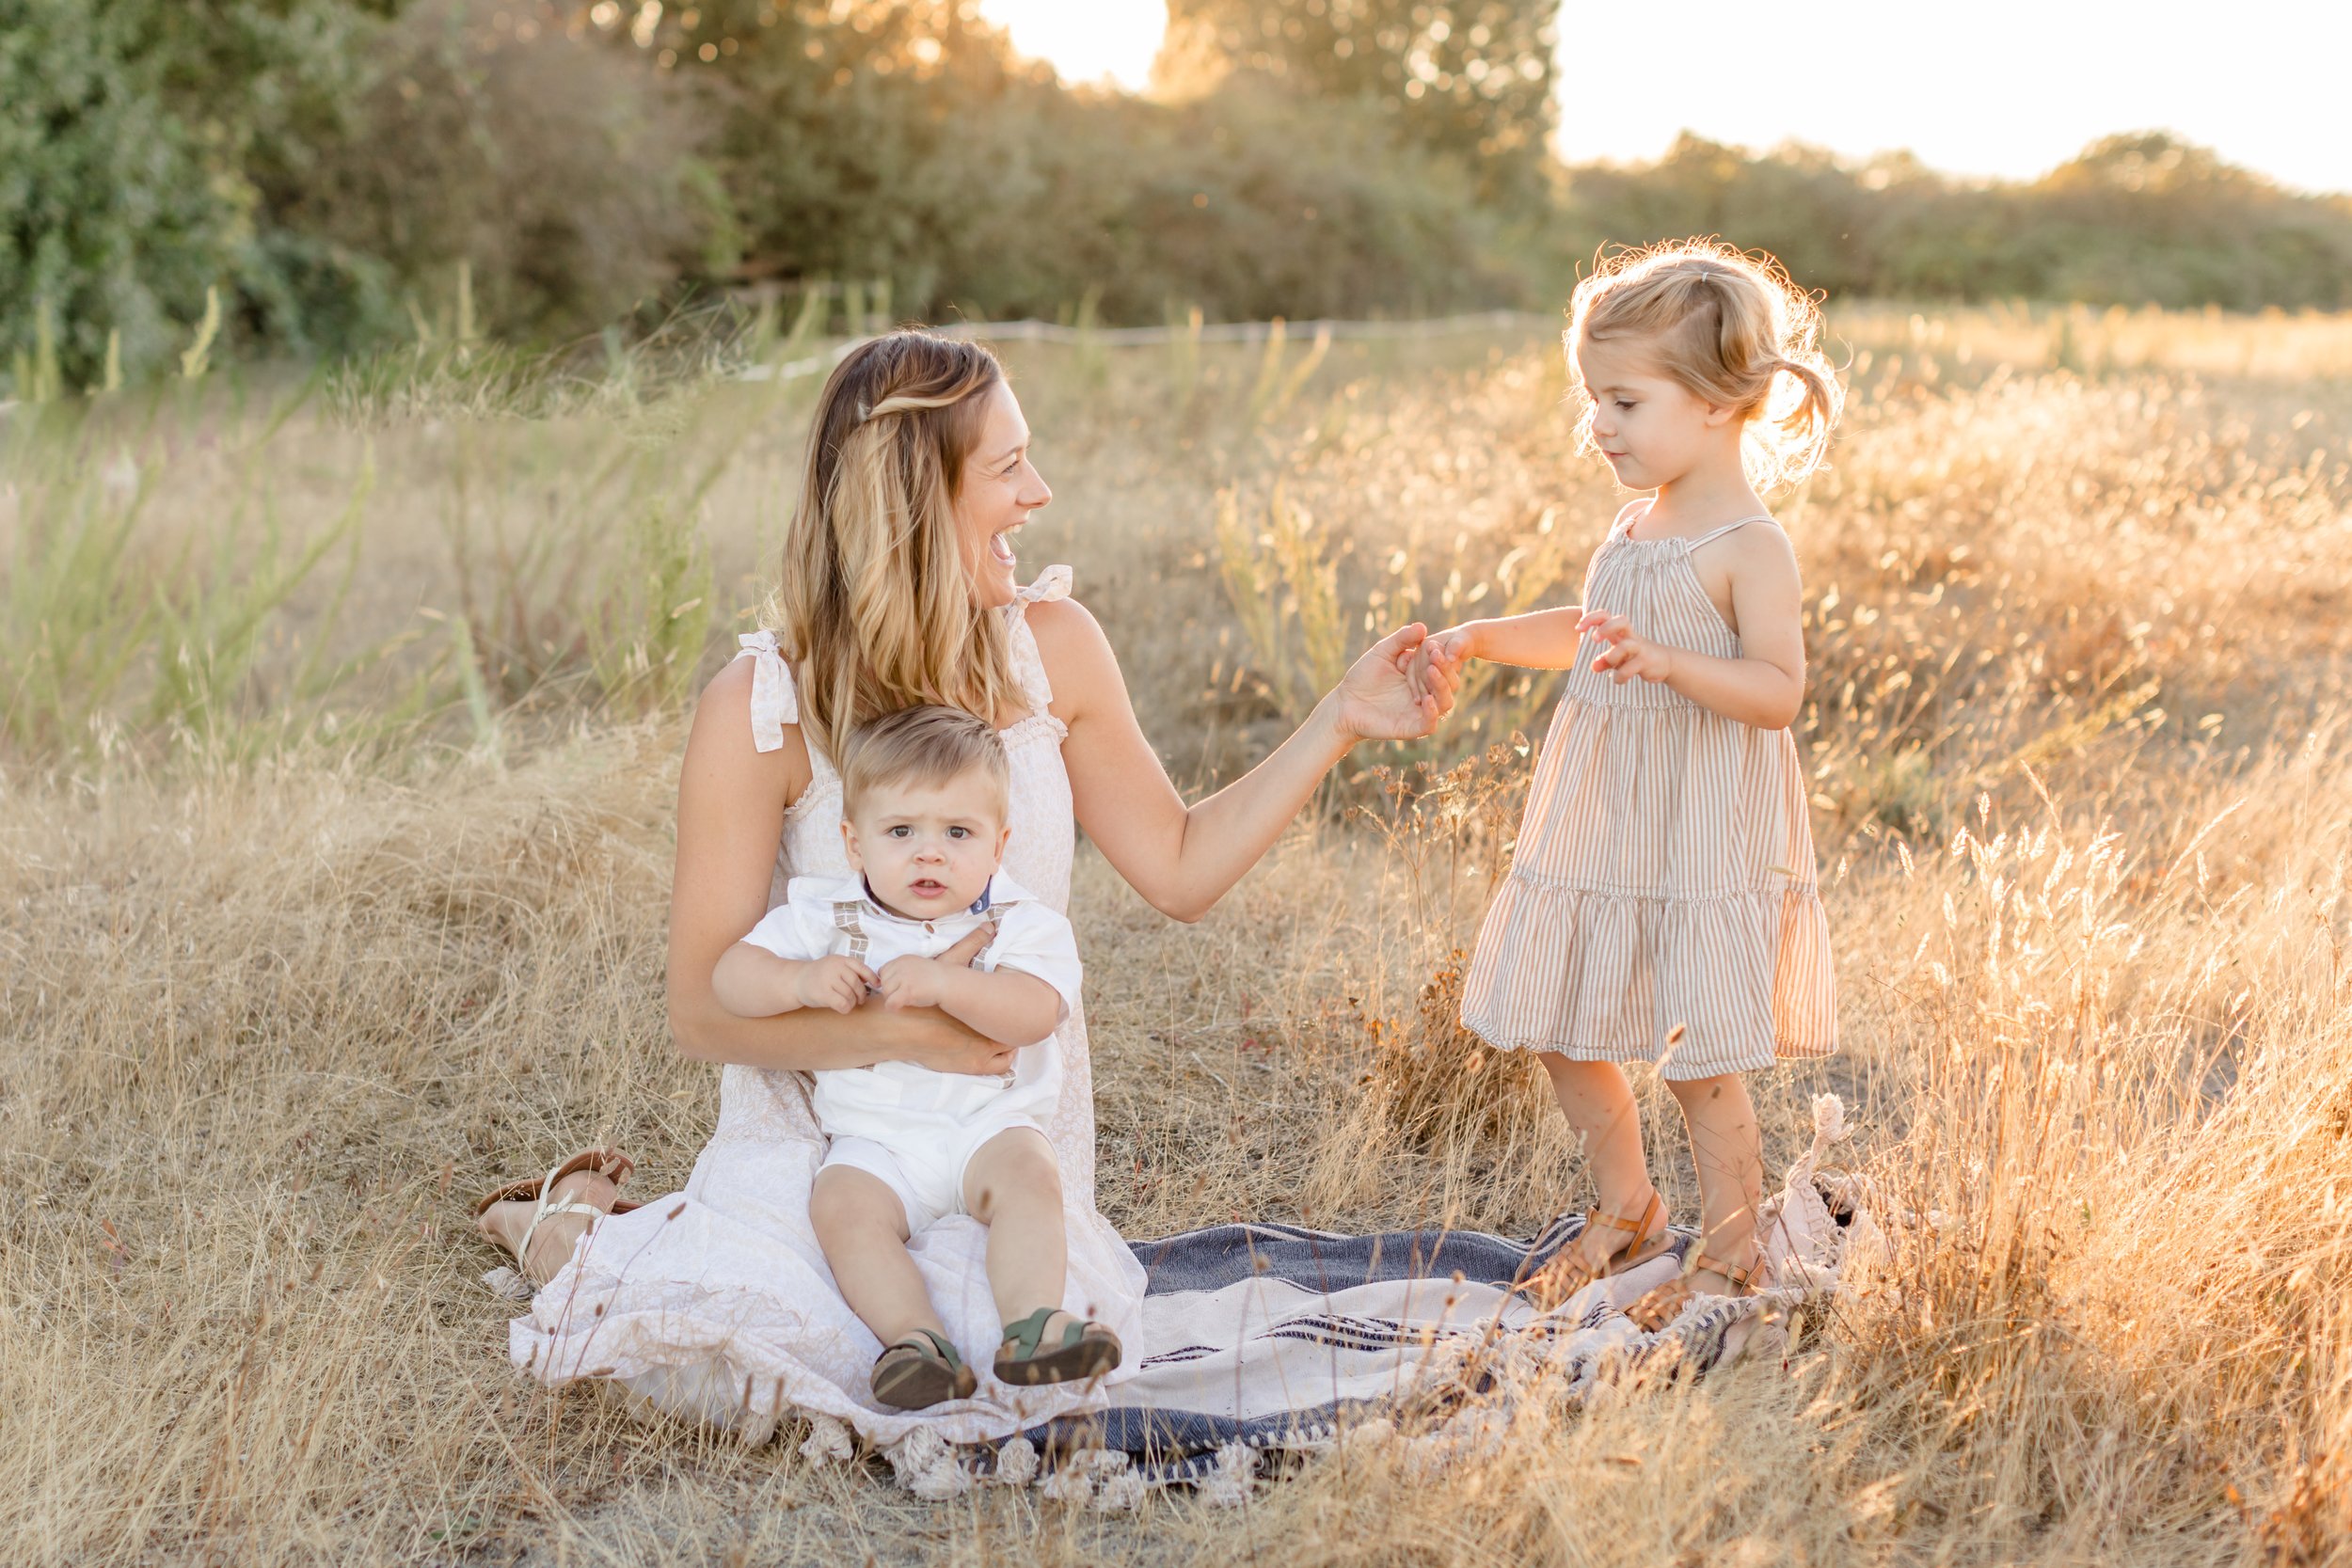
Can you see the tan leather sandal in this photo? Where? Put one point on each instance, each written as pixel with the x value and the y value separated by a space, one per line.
pixel 1569 1273
pixel 1661 1306
pixel 611 1164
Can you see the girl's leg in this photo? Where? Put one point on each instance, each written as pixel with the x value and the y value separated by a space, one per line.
pixel 1012 1185
pixel 1599 1103
pixel 862 1227
pixel 1728 1146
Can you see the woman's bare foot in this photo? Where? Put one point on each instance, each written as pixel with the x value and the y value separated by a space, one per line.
pixel 507 1223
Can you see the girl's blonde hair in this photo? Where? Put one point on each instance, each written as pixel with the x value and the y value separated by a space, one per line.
pixel 875 610
pixel 1732 329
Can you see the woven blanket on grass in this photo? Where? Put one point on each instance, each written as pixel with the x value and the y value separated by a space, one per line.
pixel 1264 1336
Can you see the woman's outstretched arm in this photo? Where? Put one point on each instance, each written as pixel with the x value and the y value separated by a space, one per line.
pixel 732 799
pixel 1183 859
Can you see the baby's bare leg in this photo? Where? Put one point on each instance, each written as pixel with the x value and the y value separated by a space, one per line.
pixel 1728 1146
pixel 1013 1186
pixel 863 1229
pixel 1599 1103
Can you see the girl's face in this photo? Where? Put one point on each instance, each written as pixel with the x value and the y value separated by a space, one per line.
pixel 1650 428
pixel 1000 488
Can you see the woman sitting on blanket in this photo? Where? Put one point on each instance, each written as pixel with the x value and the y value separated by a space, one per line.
pixel 898 589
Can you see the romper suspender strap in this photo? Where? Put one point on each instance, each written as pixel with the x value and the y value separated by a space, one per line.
pixel 848 915
pixel 1710 538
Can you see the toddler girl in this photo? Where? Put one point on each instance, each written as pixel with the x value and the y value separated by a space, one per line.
pixel 1662 904
pixel 924 798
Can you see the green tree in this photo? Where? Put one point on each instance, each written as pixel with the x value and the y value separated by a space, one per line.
pixel 1467 78
pixel 115 211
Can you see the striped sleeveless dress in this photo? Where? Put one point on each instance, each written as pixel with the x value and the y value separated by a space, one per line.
pixel 1662 904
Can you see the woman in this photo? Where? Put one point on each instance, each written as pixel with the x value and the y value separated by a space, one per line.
pixel 898 588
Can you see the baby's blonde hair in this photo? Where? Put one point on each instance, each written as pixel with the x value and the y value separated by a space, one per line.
pixel 1731 328
pixel 926 745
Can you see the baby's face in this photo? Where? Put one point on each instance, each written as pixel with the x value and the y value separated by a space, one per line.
pixel 928 849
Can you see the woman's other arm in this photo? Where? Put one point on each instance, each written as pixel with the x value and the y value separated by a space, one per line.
pixel 1183 859
pixel 731 803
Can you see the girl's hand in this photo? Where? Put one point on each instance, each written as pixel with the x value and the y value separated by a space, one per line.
pixel 910 982
pixel 839 982
pixel 1437 668
pixel 1628 654
pixel 1375 700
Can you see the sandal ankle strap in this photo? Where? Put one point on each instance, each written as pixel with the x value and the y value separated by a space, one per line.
pixel 943 1348
pixel 1027 1334
pixel 1742 1281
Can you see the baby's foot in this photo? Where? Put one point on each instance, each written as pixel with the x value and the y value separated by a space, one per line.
pixel 1056 1347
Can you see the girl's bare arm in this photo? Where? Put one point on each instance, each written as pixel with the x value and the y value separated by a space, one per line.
pixel 1540 640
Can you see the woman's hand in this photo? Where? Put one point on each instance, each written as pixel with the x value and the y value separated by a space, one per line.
pixel 945 1043
pixel 1376 698
pixel 1628 656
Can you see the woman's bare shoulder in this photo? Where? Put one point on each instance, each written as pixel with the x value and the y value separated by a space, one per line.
pixel 722 742
pixel 1076 654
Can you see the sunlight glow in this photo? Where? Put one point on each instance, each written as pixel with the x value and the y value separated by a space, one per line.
pixel 2009 89
pixel 1086 40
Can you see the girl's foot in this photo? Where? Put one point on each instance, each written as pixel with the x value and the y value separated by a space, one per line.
pixel 1608 1244
pixel 910 1374
pixel 539 1223
pixel 1051 1346
pixel 1706 1276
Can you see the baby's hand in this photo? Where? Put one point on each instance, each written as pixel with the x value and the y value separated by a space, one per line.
pixel 911 982
pixel 1438 663
pixel 839 982
pixel 1628 654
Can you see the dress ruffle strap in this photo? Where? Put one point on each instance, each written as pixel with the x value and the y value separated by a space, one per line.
pixel 774 702
pixel 1051 584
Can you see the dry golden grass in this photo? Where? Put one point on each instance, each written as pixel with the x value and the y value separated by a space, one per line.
pixel 303 944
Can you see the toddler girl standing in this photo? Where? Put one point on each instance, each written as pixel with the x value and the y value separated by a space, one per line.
pixel 1662 904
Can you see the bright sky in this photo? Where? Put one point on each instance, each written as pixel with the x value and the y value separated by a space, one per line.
pixel 1086 39
pixel 2007 87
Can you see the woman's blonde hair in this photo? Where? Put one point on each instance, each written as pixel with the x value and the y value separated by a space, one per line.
pixel 875 610
pixel 1735 331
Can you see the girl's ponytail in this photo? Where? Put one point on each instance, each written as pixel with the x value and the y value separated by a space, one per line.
pixel 1806 428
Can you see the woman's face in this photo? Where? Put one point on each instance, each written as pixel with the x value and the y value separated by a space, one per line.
pixel 1001 487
